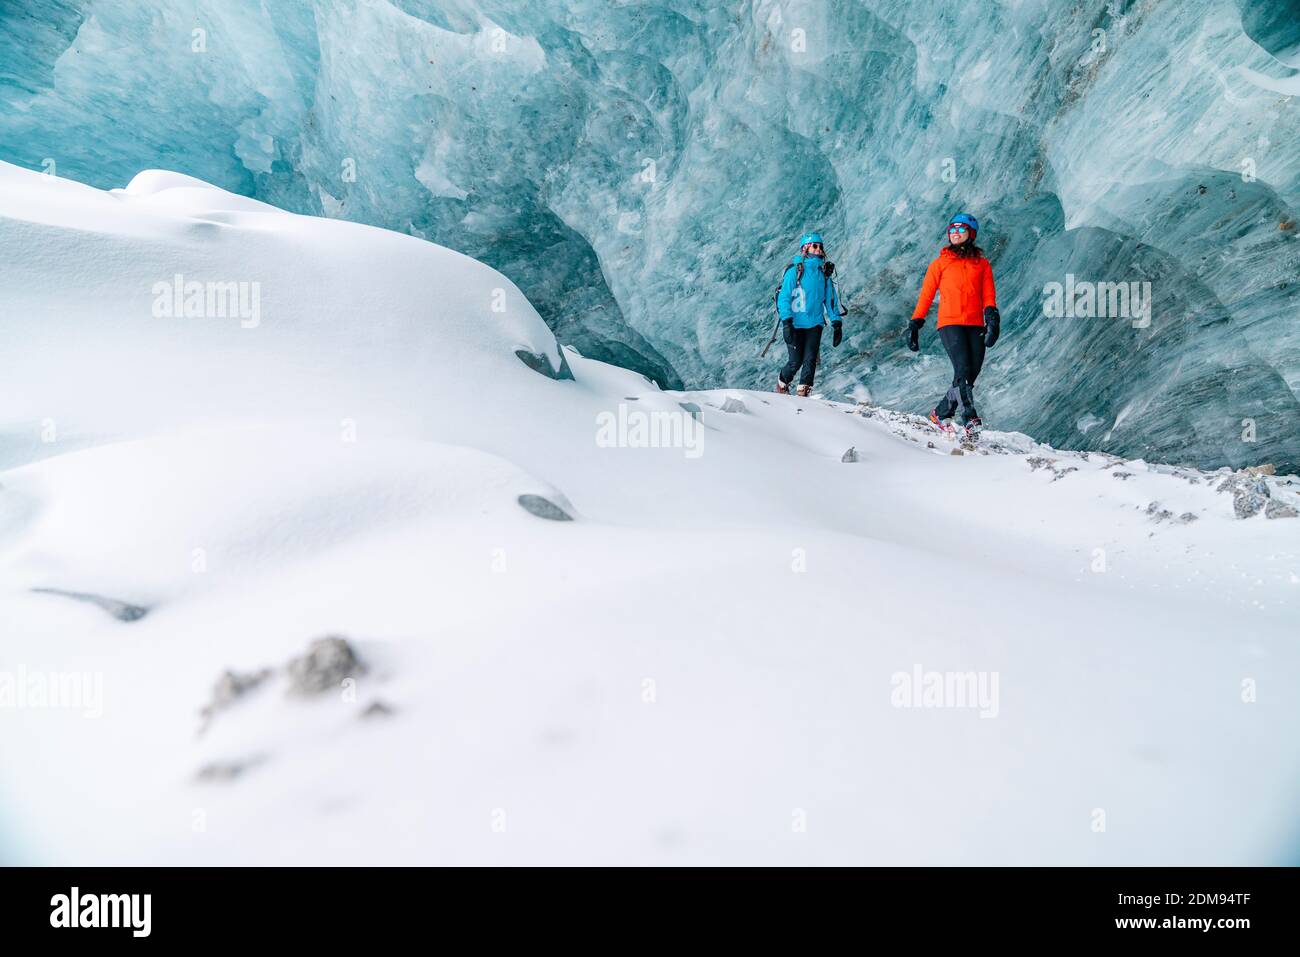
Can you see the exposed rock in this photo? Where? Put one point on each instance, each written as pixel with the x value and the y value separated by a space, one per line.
pixel 223 772
pixel 544 508
pixel 1276 509
pixel 121 610
pixel 1249 493
pixel 541 363
pixel 1266 469
pixel 850 456
pixel 956 452
pixel 732 404
pixel 1036 462
pixel 1158 514
pixel 1188 517
pixel 1121 475
pixel 230 687
pixel 326 664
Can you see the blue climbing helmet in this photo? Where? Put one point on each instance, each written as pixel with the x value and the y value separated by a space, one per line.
pixel 807 238
pixel 965 219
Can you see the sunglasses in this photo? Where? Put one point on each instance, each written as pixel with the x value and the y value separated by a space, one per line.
pixel 958 229
pixel 814 246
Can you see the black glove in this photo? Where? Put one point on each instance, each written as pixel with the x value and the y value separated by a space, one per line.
pixel 787 331
pixel 914 334
pixel 838 337
pixel 992 325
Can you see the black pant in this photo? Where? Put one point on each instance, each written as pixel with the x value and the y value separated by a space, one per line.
pixel 803 352
pixel 965 347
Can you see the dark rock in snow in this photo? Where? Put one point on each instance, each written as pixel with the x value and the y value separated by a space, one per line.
pixel 544 508
pixel 223 772
pixel 230 687
pixel 121 610
pixel 1158 514
pixel 539 362
pixel 850 456
pixel 326 664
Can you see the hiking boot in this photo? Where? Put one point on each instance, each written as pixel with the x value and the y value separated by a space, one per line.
pixel 938 423
pixel 782 388
pixel 973 428
pixel 803 390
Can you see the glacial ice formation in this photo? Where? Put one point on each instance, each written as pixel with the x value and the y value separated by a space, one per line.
pixel 640 169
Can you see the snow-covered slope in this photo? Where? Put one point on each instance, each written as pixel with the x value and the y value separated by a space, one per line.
pixel 707 664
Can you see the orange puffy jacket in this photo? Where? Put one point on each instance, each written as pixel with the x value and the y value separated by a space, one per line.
pixel 965 287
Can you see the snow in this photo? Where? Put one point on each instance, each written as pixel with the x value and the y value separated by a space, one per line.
pixel 703 666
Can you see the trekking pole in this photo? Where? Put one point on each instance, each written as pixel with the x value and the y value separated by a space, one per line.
pixel 775 329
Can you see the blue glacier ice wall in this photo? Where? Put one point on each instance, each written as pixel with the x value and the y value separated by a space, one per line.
pixel 641 169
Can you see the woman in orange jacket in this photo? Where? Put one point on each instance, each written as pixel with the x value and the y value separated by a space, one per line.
pixel 968 317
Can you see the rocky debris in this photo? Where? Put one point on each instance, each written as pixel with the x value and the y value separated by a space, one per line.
pixel 851 455
pixel 544 508
pixel 1037 462
pixel 326 664
pixel 1249 493
pixel 223 772
pixel 1276 509
pixel 230 687
pixel 1250 487
pixel 121 610
pixel 733 404
pixel 1158 514
pixel 377 709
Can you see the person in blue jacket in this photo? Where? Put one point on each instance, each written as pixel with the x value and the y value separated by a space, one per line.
pixel 807 298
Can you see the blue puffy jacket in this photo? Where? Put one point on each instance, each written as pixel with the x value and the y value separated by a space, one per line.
pixel 816 298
